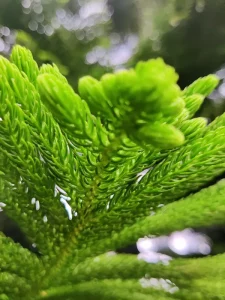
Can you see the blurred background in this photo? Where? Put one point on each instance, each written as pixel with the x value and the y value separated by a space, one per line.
pixel 98 36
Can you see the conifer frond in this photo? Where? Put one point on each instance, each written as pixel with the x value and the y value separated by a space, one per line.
pixel 203 86
pixel 194 128
pixel 25 63
pixel 127 267
pixel 20 270
pixel 204 208
pixel 194 164
pixel 106 290
pixel 130 274
pixel 130 99
pixel 41 155
pixel 52 69
pixel 81 173
pixel 201 209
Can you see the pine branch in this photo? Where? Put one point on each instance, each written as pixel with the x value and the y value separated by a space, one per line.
pixel 70 177
pixel 186 276
pixel 105 289
pixel 180 271
pixel 196 210
pixel 50 142
pixel 193 165
pixel 25 63
pixel 20 270
pixel 46 132
pixel 202 156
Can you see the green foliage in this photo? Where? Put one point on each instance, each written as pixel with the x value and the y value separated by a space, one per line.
pixel 137 101
pixel 69 170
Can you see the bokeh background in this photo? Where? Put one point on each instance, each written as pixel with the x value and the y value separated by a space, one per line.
pixel 97 36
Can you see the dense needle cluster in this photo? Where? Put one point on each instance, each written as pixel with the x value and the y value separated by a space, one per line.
pixel 86 173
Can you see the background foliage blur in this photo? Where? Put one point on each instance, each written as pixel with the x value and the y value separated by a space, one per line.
pixel 97 36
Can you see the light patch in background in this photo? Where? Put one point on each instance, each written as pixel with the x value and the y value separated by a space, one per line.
pixel 87 24
pixel 26 3
pixel 7 39
pixel 221 89
pixel 117 55
pixel 188 242
pixel 89 16
pixel 157 244
pixel 183 243
pixel 218 95
pixel 2 204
